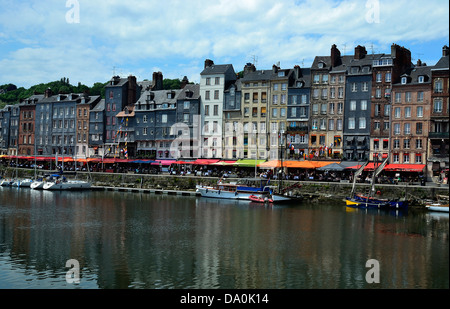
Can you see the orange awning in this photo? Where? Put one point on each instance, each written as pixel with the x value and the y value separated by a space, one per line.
pixel 270 164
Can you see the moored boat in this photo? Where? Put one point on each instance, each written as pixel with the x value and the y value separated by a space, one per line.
pixel 67 185
pixel 260 199
pixel 6 182
pixel 235 191
pixel 438 207
pixel 37 185
pixel 22 183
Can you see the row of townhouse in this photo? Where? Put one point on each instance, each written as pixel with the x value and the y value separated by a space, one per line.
pixel 354 107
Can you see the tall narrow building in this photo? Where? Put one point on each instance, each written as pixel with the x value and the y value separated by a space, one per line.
pixel 214 79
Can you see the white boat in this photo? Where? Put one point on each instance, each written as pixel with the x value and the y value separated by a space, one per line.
pixel 22 183
pixel 6 182
pixel 37 185
pixel 438 207
pixel 234 191
pixel 67 185
pixel 223 191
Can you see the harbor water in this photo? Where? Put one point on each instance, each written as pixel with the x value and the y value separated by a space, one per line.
pixel 147 241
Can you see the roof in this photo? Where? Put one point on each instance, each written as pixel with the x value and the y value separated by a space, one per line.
pixel 257 76
pixel 217 69
pixel 123 113
pixel 99 107
pixel 195 88
pixel 414 73
pixel 442 63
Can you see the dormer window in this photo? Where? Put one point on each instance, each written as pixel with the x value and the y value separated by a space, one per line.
pixel 421 79
pixel 404 80
pixel 280 73
pixel 321 65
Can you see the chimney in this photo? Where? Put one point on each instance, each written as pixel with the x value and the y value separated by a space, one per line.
pixel 335 56
pixel 48 93
pixel 184 82
pixel 249 68
pixel 157 81
pixel 132 85
pixel 208 63
pixel 297 71
pixel 445 51
pixel 360 52
pixel 275 68
pixel 419 63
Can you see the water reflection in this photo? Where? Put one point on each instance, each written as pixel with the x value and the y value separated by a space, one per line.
pixel 132 240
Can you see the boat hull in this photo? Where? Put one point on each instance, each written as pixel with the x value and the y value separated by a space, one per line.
pixel 351 202
pixel 394 204
pixel 37 185
pixel 223 194
pixel 23 183
pixel 438 208
pixel 67 185
pixel 6 183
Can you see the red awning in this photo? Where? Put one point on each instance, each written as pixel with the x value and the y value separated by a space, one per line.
pixel 205 161
pixel 405 167
pixel 163 162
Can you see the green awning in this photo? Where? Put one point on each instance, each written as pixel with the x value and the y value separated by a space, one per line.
pixel 248 162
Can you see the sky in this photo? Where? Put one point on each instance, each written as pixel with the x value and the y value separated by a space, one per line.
pixel 89 41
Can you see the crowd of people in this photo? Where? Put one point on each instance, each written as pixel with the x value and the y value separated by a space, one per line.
pixel 224 172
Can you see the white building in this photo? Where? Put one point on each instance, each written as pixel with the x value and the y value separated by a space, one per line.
pixel 214 79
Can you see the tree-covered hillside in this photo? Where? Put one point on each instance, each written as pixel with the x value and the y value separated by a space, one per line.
pixel 10 94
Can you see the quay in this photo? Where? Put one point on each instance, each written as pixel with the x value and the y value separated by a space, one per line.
pixel 148 191
pixel 166 184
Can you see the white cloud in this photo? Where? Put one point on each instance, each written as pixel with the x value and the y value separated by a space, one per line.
pixel 36 42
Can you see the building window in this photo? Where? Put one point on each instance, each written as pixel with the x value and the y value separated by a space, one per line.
pixel 216 94
pixel 419 143
pixel 378 77
pixel 354 87
pixel 378 93
pixel 365 87
pixel 437 106
pixel 407 128
pixel 420 96
pixel 362 122
pixel 396 143
pixel 438 86
pixel 387 77
pixel 408 96
pixel 418 158
pixel 420 111
pixel 406 143
pixel 396 157
pixel 351 123
pixel 419 129
pixel 406 158
pixel 363 105
pixel 353 105
pixel 407 112
pixel 217 81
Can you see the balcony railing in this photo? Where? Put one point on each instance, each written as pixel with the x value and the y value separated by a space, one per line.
pixel 438 135
pixel 297 129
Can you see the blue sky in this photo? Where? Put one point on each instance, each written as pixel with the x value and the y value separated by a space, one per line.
pixel 89 40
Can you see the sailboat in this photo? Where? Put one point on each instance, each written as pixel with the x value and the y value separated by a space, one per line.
pixel 369 200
